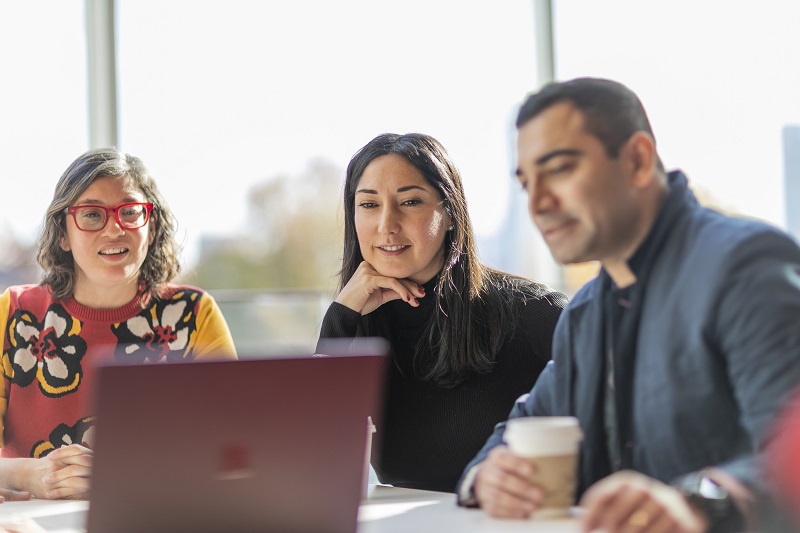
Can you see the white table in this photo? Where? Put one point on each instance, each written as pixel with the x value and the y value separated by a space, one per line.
pixel 53 516
pixel 395 510
pixel 388 510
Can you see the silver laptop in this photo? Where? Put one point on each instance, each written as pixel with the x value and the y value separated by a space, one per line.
pixel 270 444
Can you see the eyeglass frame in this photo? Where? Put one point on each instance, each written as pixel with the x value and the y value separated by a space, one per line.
pixel 148 208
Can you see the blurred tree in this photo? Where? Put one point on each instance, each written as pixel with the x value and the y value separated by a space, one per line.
pixel 293 240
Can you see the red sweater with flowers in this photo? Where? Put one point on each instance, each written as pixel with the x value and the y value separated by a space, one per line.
pixel 51 348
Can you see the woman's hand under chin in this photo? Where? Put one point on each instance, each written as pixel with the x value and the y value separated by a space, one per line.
pixel 368 289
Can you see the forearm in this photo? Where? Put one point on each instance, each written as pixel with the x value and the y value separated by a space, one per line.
pixel 756 330
pixel 17 474
pixel 339 321
pixel 746 481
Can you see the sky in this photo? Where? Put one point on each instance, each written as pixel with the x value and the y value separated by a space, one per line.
pixel 217 97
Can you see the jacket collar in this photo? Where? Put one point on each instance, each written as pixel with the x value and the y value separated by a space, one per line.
pixel 678 199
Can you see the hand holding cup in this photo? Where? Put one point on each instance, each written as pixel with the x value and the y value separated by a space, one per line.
pixel 550 445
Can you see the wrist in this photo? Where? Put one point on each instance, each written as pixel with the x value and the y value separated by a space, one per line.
pixel 466 489
pixel 712 501
pixel 16 473
pixel 348 306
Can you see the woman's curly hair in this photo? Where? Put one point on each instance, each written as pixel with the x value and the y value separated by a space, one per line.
pixel 161 264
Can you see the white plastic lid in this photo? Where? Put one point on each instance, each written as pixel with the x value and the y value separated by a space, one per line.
pixel 538 436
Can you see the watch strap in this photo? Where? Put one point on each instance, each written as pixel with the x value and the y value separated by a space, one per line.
pixel 713 500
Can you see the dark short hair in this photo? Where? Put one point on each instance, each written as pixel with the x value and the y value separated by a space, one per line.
pixel 161 264
pixel 611 111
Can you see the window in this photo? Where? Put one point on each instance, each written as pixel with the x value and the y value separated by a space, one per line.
pixel 43 118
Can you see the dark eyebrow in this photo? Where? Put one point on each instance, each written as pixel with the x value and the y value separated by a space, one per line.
pixel 556 153
pixel 410 188
pixel 550 155
pixel 92 201
pixel 401 189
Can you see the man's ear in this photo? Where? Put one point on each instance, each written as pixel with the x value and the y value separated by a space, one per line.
pixel 640 157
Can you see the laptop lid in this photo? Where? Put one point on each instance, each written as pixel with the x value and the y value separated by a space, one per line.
pixel 271 444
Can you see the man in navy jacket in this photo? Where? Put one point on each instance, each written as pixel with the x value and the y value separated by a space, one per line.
pixel 677 358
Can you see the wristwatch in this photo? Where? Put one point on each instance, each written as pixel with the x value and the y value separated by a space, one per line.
pixel 710 498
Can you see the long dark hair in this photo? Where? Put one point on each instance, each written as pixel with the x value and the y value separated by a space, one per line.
pixel 161 264
pixel 473 310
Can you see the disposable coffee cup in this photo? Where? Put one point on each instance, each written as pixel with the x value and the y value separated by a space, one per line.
pixel 367 487
pixel 551 444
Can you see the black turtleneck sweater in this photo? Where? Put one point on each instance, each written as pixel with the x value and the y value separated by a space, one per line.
pixel 428 433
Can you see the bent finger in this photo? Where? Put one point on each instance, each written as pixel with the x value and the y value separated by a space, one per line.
pixel 82 459
pixel 415 289
pixel 67 472
pixel 72 450
pixel 72 482
pixel 505 459
pixel 631 507
pixel 9 495
pixel 392 289
pixel 501 504
pixel 68 493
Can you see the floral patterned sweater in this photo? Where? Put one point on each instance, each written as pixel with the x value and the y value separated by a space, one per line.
pixel 51 348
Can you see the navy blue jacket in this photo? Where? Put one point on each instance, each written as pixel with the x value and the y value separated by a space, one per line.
pixel 717 351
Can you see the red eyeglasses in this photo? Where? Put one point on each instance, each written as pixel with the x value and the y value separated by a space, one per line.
pixel 95 217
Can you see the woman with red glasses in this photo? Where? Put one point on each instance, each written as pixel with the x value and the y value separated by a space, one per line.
pixel 108 253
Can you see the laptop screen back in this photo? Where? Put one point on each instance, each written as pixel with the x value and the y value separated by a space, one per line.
pixel 273 444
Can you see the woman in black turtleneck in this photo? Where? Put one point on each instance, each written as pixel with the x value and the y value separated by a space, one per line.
pixel 466 340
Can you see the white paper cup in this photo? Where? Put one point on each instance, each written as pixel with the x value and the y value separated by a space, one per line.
pixel 551 444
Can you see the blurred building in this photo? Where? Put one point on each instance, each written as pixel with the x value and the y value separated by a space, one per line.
pixel 791 179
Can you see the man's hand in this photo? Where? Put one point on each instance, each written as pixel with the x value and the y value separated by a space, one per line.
pixel 631 502
pixel 71 473
pixel 502 485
